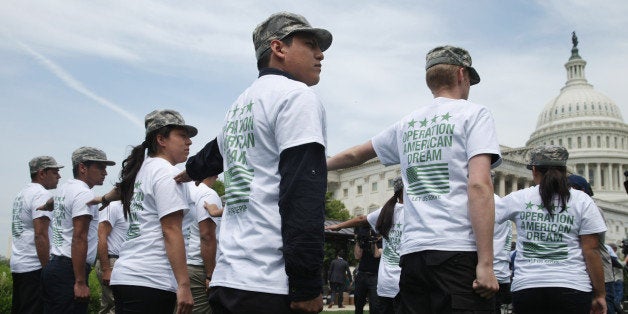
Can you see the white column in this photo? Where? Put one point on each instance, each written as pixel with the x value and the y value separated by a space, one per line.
pixel 526 184
pixel 502 184
pixel 513 184
pixel 586 172
pixel 609 178
pixel 598 176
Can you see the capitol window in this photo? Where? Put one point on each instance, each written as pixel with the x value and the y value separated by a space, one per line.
pixel 359 190
pixel 374 187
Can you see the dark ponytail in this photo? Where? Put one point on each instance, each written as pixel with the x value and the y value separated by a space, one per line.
pixel 132 164
pixel 386 216
pixel 554 183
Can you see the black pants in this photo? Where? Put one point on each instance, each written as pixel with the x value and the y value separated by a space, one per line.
pixel 366 284
pixel 503 296
pixel 27 292
pixel 337 289
pixel 387 305
pixel 138 299
pixel 58 286
pixel 440 282
pixel 225 300
pixel 551 300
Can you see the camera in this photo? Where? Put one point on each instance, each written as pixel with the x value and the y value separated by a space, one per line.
pixel 366 237
pixel 624 247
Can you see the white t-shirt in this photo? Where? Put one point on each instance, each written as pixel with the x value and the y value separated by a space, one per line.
pixel 433 145
pixel 548 246
pixel 143 260
pixel 24 254
pixel 70 202
pixel 200 194
pixel 389 270
pixel 273 114
pixel 114 215
pixel 502 238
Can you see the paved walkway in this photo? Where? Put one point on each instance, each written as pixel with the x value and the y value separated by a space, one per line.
pixel 346 307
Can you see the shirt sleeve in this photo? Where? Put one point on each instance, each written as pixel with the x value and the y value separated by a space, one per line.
pixel 38 200
pixel 482 138
pixel 80 207
pixel 385 145
pixel 211 198
pixel 300 119
pixel 206 163
pixel 169 195
pixel 303 171
pixel 505 208
pixel 372 219
pixel 592 221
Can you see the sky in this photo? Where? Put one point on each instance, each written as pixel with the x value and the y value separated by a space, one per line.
pixel 85 73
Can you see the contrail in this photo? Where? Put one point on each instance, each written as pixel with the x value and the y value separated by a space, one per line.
pixel 74 84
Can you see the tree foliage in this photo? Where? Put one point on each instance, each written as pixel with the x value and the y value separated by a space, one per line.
pixel 219 187
pixel 335 209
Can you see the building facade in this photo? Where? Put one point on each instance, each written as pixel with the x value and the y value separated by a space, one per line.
pixel 581 119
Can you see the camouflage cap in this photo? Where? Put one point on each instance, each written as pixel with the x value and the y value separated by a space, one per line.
pixel 452 55
pixel 161 118
pixel 282 24
pixel 397 184
pixel 85 153
pixel 43 162
pixel 548 155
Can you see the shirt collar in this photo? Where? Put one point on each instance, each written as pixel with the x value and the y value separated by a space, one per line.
pixel 273 71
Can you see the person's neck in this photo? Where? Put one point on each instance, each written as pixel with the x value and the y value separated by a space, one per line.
pixel 274 71
pixel 453 93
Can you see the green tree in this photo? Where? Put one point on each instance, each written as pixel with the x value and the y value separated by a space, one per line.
pixel 219 187
pixel 335 209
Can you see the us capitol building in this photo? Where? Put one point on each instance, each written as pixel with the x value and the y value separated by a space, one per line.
pixel 581 119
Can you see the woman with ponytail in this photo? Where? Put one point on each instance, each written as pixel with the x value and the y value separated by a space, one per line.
pixel 558 268
pixel 150 275
pixel 388 222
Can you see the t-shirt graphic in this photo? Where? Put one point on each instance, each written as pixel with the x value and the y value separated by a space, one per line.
pixel 135 207
pixel 57 220
pixel 390 254
pixel 17 228
pixel 238 137
pixel 544 232
pixel 422 146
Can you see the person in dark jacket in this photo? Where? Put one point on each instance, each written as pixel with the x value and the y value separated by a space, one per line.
pixel 338 274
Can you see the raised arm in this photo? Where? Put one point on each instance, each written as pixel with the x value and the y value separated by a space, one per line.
pixel 482 216
pixel 351 157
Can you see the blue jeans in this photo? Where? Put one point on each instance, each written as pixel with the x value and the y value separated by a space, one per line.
pixel 58 286
pixel 366 284
pixel 619 291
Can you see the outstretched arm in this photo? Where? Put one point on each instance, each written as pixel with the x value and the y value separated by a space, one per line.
pixel 353 222
pixel 353 156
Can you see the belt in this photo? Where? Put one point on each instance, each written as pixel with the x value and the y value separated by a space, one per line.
pixel 113 256
pixel 59 257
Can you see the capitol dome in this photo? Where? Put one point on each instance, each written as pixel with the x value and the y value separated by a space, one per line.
pixel 589 125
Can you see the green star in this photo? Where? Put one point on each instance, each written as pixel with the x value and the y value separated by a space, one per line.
pixel 539 207
pixel 234 111
pixel 424 122
pixel 434 119
pixel 411 123
pixel 529 205
pixel 249 107
pixel 445 117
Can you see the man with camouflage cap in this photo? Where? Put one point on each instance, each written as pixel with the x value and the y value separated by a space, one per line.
pixel 30 246
pixel 74 234
pixel 273 143
pixel 446 150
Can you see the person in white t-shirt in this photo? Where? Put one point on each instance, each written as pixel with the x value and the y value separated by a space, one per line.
pixel 74 234
pixel 201 245
pixel 558 268
pixel 150 275
pixel 112 228
pixel 446 150
pixel 272 150
pixel 30 246
pixel 388 222
pixel 502 243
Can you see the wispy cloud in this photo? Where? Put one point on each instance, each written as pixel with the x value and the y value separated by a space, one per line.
pixel 74 84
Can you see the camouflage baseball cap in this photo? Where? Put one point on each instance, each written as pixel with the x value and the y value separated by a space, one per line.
pixel 397 184
pixel 161 118
pixel 548 155
pixel 452 55
pixel 282 24
pixel 43 162
pixel 85 153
